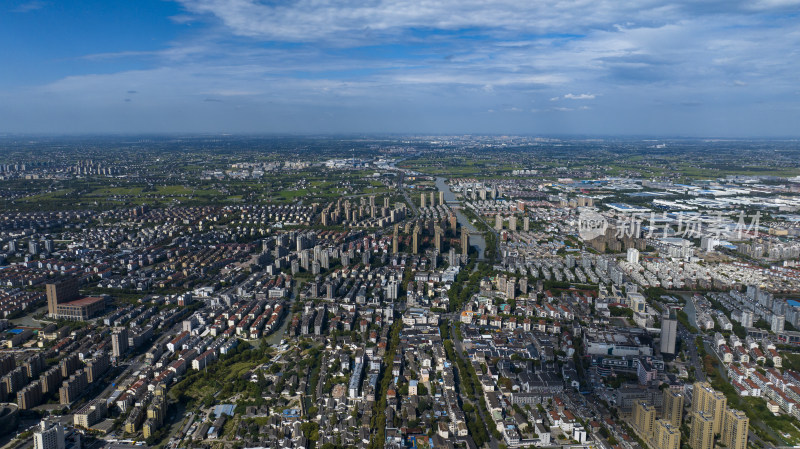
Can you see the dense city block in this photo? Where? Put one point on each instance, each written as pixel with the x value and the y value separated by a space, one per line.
pixel 416 292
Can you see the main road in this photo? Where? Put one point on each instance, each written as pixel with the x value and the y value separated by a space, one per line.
pixel 489 421
pixel 689 339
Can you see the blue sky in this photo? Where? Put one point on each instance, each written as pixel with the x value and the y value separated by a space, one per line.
pixel 601 67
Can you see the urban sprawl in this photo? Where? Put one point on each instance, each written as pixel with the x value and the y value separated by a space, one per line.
pixel 421 292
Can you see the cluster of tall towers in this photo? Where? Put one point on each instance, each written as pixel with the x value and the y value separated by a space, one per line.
pixel 709 414
pixel 428 200
pixel 500 221
pixel 346 211
pixel 438 236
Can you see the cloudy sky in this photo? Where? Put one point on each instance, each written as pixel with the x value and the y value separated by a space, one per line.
pixel 723 68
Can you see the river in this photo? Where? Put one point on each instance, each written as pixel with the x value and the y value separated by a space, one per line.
pixel 689 309
pixel 274 339
pixel 475 237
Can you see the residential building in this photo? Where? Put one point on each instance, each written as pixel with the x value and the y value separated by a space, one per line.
pixel 666 436
pixel 673 407
pixel 706 399
pixel 49 435
pixel 734 429
pixel 119 342
pixel 702 432
pixel 644 418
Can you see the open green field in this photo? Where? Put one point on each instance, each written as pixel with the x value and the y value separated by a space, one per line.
pixel 163 173
pixel 101 193
pixel 458 166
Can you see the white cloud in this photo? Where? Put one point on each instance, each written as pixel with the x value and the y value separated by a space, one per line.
pixel 579 96
pixel 29 6
pixel 359 21
pixel 774 4
pixel 356 20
